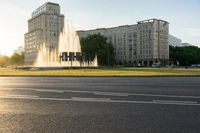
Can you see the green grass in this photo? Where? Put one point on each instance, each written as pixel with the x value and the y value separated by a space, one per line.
pixel 114 71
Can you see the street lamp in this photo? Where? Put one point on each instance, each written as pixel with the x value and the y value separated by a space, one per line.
pixel 108 54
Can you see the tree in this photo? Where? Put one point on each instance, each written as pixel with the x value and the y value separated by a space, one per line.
pixel 4 61
pixel 97 45
pixel 186 56
pixel 17 59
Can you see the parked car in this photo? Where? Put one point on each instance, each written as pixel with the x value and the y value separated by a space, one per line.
pixel 195 65
pixel 156 65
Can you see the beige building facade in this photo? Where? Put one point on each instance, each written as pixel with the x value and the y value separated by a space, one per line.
pixel 44 27
pixel 141 44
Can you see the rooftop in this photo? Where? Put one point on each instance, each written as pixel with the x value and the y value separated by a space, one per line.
pixel 140 22
pixel 51 3
pixel 152 20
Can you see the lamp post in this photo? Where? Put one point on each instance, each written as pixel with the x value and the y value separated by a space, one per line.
pixel 108 52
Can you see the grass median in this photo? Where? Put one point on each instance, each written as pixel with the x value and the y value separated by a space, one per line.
pixel 114 71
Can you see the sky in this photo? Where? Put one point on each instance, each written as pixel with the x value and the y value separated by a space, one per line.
pixel 183 16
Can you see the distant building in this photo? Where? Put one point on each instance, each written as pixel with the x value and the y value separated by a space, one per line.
pixel 44 27
pixel 186 44
pixel 174 41
pixel 19 50
pixel 143 44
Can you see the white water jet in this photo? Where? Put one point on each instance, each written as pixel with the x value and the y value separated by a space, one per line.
pixel 68 42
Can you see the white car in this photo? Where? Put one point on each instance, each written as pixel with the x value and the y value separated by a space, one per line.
pixel 156 65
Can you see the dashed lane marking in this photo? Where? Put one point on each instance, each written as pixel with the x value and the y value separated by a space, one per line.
pixel 101 100
pixel 111 94
pixel 176 102
pixel 106 93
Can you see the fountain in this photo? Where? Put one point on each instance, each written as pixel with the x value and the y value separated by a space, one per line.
pixel 67 54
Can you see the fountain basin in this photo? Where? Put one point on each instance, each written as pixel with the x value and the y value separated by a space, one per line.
pixel 51 68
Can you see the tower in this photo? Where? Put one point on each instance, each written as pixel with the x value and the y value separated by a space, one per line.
pixel 44 27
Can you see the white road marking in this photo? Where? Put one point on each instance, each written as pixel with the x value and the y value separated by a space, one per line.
pixel 123 94
pixel 168 101
pixel 49 90
pixel 167 96
pixel 111 94
pixel 102 100
pixel 90 99
pixel 20 96
pixel 80 83
pixel 106 93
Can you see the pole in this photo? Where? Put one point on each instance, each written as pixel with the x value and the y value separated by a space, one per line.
pixel 108 54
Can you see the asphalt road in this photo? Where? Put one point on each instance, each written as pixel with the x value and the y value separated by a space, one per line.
pixel 99 105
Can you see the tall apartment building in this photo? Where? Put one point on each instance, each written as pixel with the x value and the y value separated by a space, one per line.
pixel 44 26
pixel 143 44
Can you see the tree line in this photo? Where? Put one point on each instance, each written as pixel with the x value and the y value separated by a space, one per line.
pixel 185 56
pixel 14 60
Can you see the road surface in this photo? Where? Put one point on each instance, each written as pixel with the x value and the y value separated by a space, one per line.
pixel 99 105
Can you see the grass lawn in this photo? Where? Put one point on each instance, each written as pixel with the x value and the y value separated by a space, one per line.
pixel 115 71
